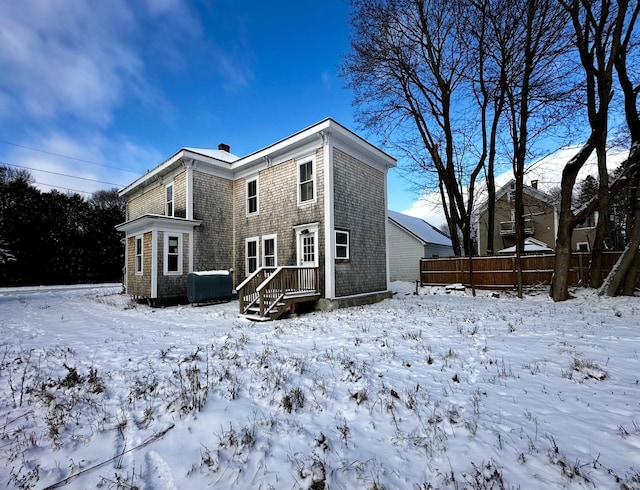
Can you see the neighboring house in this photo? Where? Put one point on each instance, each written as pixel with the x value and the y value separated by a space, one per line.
pixel 540 222
pixel 308 212
pixel 411 239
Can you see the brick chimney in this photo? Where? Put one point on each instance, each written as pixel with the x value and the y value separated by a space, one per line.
pixel 224 147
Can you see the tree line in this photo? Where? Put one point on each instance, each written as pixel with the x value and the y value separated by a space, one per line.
pixel 465 89
pixel 57 238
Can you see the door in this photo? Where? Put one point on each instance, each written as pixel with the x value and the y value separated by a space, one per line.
pixel 307 244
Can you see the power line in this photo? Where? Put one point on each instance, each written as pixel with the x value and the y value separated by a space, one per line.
pixel 65 188
pixel 61 174
pixel 66 156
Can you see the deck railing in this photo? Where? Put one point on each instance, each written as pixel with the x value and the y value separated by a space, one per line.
pixel 268 286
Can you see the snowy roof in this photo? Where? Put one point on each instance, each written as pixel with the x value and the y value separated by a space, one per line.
pixel 225 156
pixel 420 228
pixel 531 246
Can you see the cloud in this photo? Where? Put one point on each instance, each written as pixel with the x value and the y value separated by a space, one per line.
pixel 68 58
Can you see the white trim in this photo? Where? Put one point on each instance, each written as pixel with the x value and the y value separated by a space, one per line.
pixel 583 243
pixel 154 264
pixel 255 179
pixel 189 177
pixel 165 258
pixel 135 255
pixel 348 244
pixel 275 250
pixel 173 200
pixel 246 254
pixel 305 230
pixel 329 216
pixel 314 178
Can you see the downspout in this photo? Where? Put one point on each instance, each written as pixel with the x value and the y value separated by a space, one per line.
pixel 329 217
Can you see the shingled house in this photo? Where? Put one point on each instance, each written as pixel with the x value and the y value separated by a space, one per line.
pixel 303 219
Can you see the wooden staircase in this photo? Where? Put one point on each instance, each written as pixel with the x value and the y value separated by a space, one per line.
pixel 271 292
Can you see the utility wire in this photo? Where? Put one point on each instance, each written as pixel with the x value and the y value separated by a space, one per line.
pixel 61 174
pixel 70 158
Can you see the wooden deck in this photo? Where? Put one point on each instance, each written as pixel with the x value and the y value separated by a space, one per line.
pixel 271 292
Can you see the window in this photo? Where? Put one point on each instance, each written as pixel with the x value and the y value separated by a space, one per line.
pixel 309 248
pixel 169 200
pixel 251 255
pixel 582 246
pixel 252 196
pixel 306 182
pixel 269 251
pixel 588 222
pixel 139 255
pixel 173 254
pixel 342 245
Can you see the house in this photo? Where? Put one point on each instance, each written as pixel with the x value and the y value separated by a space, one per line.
pixel 411 239
pixel 540 222
pixel 305 216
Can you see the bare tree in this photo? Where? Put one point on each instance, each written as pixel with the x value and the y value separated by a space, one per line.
pixel 630 91
pixel 599 29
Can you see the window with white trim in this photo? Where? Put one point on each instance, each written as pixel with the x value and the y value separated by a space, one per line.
pixel 173 254
pixel 582 247
pixel 251 254
pixel 342 245
pixel 139 252
pixel 168 208
pixel 252 196
pixel 306 181
pixel 269 251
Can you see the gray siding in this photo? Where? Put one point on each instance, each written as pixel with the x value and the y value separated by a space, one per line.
pixel 213 239
pixel 405 252
pixel 360 209
pixel 278 213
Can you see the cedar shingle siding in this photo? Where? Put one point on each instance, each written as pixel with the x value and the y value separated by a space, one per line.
pixel 215 229
pixel 358 188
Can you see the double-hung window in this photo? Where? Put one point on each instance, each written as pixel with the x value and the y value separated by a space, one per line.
pixel 252 196
pixel 169 199
pixel 251 247
pixel 306 181
pixel 269 251
pixel 173 254
pixel 139 250
pixel 342 245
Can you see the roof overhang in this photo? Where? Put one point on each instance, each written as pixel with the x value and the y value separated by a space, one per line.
pixel 149 222
pixel 313 136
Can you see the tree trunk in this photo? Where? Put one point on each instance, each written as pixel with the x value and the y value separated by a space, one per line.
pixel 625 263
pixel 602 227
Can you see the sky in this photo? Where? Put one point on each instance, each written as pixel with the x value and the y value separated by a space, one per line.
pixel 97 93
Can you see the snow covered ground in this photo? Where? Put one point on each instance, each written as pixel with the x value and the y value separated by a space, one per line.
pixel 438 390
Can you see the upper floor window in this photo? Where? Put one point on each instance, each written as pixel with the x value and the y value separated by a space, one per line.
pixel 173 254
pixel 588 222
pixel 306 181
pixel 169 199
pixel 269 251
pixel 139 252
pixel 252 196
pixel 342 245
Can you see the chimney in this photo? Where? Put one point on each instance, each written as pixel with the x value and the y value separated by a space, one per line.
pixel 534 184
pixel 224 147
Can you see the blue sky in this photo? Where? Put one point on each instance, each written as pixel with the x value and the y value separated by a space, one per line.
pixel 125 84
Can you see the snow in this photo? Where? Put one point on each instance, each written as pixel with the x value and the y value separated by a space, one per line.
pixel 436 390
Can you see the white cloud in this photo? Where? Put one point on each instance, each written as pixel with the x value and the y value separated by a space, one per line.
pixel 547 171
pixel 68 58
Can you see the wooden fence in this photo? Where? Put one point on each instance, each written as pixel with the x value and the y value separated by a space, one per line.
pixel 499 272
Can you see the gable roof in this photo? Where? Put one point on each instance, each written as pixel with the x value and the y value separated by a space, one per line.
pixel 531 245
pixel 231 165
pixel 527 189
pixel 420 229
